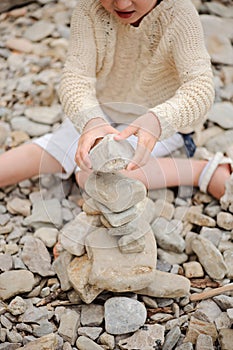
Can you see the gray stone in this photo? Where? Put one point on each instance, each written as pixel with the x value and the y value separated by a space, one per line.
pixel 168 234
pixel 207 310
pixel 48 235
pixel 15 282
pixel 84 343
pixel 90 332
pixel 33 129
pixel 218 32
pixel 39 263
pixel 17 306
pixel 223 321
pixel 74 233
pixel 108 340
pixel 221 114
pixel 220 142
pixel 171 338
pixel 166 285
pixel 110 156
pixel 68 327
pixel 123 315
pixel 121 218
pixel 39 30
pixel 224 301
pixel 228 258
pixel 114 271
pixel 6 262
pixel 60 267
pixel 171 257
pixel 92 315
pixel 225 220
pixel 45 115
pixel 45 212
pixel 78 272
pixel 204 342
pixel 209 257
pixel 134 243
pixel 145 338
pixel 115 191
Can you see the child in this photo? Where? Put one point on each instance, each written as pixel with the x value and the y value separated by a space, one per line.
pixel 138 69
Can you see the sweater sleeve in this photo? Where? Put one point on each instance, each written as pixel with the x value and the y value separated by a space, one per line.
pixel 77 89
pixel 195 96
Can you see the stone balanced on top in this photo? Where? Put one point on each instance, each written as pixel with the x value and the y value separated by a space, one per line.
pixel 114 244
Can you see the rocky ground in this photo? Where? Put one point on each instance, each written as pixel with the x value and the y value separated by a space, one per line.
pixel 39 309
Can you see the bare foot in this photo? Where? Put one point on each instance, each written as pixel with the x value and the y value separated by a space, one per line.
pixel 217 183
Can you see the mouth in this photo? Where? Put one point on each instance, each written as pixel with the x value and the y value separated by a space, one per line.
pixel 127 14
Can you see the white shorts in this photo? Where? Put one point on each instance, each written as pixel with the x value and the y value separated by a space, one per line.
pixel 62 145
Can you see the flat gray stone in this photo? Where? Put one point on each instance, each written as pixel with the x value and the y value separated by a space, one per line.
pixel 41 261
pixel 115 191
pixel 69 323
pixel 166 285
pixel 74 233
pixel 110 156
pixel 45 212
pixel 210 257
pixel 123 315
pixel 15 282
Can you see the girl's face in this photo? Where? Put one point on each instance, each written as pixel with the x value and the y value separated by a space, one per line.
pixel 129 11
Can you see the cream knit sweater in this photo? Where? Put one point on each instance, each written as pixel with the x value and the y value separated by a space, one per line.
pixel 123 71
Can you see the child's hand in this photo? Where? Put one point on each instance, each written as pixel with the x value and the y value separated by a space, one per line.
pixel 147 129
pixel 94 130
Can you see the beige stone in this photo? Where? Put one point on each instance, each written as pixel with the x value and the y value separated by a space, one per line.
pixel 225 220
pixel 193 269
pixel 78 272
pixel 166 285
pixel 131 243
pixel 114 271
pixel 197 327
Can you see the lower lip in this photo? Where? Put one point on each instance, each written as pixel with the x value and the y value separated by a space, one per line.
pixel 125 14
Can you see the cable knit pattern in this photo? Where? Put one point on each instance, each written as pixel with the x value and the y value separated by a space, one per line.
pixel 124 71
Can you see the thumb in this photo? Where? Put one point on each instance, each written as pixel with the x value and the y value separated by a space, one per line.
pixel 130 130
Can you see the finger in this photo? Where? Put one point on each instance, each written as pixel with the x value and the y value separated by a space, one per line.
pixel 144 147
pixel 130 130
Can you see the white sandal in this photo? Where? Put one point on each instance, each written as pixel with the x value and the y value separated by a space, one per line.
pixel 226 200
pixel 210 168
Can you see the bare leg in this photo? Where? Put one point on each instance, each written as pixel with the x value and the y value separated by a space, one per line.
pixel 172 172
pixel 25 162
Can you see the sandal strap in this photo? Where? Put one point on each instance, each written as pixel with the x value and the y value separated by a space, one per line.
pixel 209 170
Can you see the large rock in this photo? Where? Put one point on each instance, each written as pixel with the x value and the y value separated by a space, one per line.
pixel 123 315
pixel 117 192
pixel 166 285
pixel 49 341
pixel 109 155
pixel 210 257
pixel 114 271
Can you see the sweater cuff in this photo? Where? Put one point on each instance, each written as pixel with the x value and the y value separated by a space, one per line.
pixel 167 129
pixel 83 117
